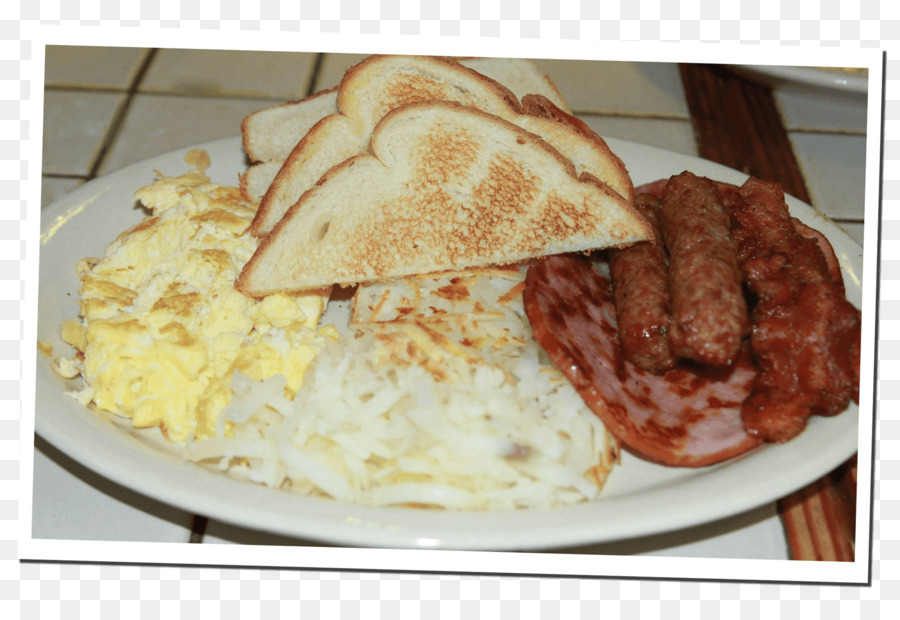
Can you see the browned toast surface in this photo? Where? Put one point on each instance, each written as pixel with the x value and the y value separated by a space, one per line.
pixel 444 187
pixel 367 92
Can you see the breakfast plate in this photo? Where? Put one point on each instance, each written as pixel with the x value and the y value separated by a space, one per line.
pixel 639 499
pixel 835 80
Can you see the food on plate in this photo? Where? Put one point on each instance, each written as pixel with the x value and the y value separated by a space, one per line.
pixel 444 187
pixel 801 357
pixel 162 330
pixel 269 135
pixel 439 397
pixel 709 314
pixel 486 361
pixel 379 84
pixel 521 76
pixel 806 335
pixel 366 93
pixel 433 392
pixel 689 416
pixel 643 305
pixel 436 395
pixel 577 142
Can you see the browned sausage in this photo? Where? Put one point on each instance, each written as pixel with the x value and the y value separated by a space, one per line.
pixel 709 312
pixel 641 287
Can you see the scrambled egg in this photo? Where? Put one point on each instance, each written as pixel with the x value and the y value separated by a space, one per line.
pixel 162 329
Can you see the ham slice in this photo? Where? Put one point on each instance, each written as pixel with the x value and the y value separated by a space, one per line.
pixel 688 417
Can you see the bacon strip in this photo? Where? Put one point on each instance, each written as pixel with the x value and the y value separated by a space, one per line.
pixel 686 417
pixel 806 335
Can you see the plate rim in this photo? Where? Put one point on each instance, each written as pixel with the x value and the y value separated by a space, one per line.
pixel 366 529
pixel 809 77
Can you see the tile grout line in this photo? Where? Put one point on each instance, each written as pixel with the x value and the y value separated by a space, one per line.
pixel 314 75
pixel 169 94
pixel 198 529
pixel 118 119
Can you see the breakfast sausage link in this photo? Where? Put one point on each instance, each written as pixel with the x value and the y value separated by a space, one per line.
pixel 709 313
pixel 642 296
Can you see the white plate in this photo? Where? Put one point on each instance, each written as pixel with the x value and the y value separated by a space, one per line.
pixel 806 78
pixel 640 498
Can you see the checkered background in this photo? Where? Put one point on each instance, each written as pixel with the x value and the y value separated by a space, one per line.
pixel 44 590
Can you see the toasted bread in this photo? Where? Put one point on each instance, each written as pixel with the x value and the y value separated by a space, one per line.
pixel 443 187
pixel 381 83
pixel 519 75
pixel 271 133
pixel 367 92
pixel 256 180
pixel 577 142
pixel 587 151
pixel 590 155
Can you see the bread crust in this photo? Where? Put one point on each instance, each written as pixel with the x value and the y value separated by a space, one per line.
pixel 256 153
pixel 541 107
pixel 520 75
pixel 343 134
pixel 526 200
pixel 359 87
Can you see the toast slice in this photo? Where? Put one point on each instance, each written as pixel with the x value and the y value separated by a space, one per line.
pixel 381 83
pixel 520 75
pixel 572 137
pixel 443 187
pixel 577 142
pixel 255 181
pixel 367 92
pixel 271 133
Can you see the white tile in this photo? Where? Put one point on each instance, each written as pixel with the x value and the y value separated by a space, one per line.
pixel 854 230
pixel 674 135
pixel 157 124
pixel 628 88
pixel 220 533
pixel 757 534
pixel 92 67
pixel 75 125
pixel 333 68
pixel 821 112
pixel 53 189
pixel 834 169
pixel 72 502
pixel 233 73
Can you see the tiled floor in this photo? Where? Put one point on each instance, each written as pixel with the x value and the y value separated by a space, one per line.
pixel 106 108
